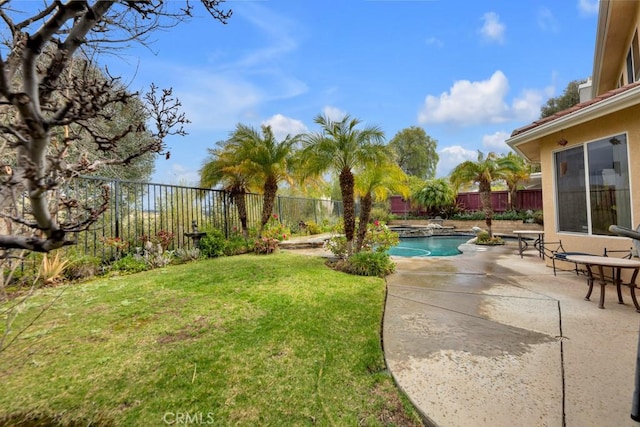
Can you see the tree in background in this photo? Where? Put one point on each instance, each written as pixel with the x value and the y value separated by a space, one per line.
pixel 266 160
pixel 568 99
pixel 483 172
pixel 40 49
pixel 435 195
pixel 415 152
pixel 221 168
pixel 374 185
pixel 516 176
pixel 343 148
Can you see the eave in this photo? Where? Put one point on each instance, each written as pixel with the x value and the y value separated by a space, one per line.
pixel 574 116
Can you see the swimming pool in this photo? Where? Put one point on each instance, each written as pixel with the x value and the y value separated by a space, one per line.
pixel 429 246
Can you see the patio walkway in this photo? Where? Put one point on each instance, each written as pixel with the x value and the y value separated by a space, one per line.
pixel 489 339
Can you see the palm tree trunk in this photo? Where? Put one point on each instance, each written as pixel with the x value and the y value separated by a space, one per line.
pixel 349 214
pixel 239 198
pixel 487 208
pixel 365 214
pixel 270 189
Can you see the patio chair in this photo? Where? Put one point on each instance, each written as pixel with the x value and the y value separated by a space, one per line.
pixel 560 254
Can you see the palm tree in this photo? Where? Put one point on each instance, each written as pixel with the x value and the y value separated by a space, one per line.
pixel 434 195
pixel 221 168
pixel 483 173
pixel 520 174
pixel 265 159
pixel 376 184
pixel 344 149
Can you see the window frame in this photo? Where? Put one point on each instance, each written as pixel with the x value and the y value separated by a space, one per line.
pixel 588 184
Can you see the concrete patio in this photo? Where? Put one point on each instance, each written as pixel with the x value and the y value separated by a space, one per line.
pixel 489 339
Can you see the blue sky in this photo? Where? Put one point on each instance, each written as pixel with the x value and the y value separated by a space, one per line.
pixel 468 71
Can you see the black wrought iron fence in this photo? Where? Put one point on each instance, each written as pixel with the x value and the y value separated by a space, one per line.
pixel 138 211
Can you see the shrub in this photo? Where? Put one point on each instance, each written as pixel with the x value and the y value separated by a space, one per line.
pixel 369 264
pixel 237 245
pixel 154 255
pixel 83 267
pixel 379 237
pixel 52 268
pixel 187 255
pixel 129 264
pixel 337 245
pixel 483 238
pixel 313 228
pixel 274 229
pixel 380 214
pixel 212 244
pixel 265 245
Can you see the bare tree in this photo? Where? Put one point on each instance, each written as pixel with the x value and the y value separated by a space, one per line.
pixel 38 104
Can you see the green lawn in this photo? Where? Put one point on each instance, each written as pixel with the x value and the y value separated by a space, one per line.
pixel 247 340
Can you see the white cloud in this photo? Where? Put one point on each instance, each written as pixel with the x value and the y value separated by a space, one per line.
pixel 526 107
pixel 283 126
pixel 492 29
pixel 546 20
pixel 452 156
pixel 181 175
pixel 468 102
pixel 334 113
pixel 496 143
pixel 588 7
pixel 482 102
pixel 217 102
pixel 434 41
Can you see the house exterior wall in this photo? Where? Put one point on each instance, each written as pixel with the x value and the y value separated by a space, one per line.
pixel 625 121
pixel 623 49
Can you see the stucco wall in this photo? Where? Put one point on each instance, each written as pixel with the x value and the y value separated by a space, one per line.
pixel 625 121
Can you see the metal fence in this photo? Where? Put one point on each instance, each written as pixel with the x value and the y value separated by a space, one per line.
pixel 138 211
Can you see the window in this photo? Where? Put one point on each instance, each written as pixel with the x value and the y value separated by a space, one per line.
pixel 590 199
pixel 633 60
pixel 635 48
pixel 630 67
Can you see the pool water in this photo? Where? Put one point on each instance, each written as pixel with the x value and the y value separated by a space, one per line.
pixel 429 246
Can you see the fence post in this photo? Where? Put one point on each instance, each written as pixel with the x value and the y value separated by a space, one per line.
pixel 279 209
pixel 225 215
pixel 315 210
pixel 116 194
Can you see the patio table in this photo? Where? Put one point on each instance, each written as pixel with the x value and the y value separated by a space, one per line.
pixel 598 264
pixel 538 243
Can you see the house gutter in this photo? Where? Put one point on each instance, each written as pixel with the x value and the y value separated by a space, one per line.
pixel 605 107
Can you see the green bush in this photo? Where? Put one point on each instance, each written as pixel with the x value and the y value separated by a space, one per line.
pixel 237 245
pixel 380 214
pixel 274 229
pixel 82 267
pixel 482 238
pixel 509 215
pixel 129 264
pixel 369 264
pixel 212 244
pixel 313 228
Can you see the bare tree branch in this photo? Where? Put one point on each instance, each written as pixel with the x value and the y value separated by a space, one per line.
pixel 53 96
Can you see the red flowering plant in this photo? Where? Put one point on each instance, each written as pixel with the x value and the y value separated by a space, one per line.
pixel 265 245
pixel 116 243
pixel 274 229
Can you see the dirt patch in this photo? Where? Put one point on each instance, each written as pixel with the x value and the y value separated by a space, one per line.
pixel 394 411
pixel 187 332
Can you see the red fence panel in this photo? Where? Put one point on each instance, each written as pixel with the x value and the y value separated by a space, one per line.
pixel 529 200
pixel 525 200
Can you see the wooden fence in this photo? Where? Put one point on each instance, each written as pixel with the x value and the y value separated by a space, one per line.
pixel 525 200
